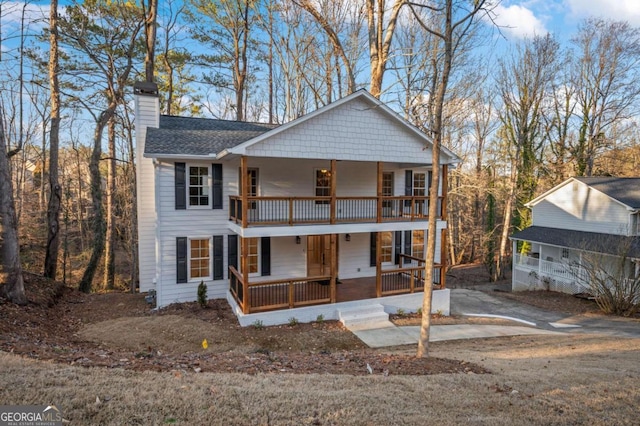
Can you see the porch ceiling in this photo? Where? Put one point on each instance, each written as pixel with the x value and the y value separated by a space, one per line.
pixel 580 240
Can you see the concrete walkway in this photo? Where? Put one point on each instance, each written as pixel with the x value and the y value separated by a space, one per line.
pixel 466 302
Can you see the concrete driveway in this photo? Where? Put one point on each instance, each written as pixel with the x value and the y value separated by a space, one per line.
pixel 482 303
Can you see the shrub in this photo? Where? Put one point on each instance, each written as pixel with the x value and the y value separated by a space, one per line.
pixel 258 324
pixel 293 321
pixel 202 294
pixel 320 318
pixel 400 312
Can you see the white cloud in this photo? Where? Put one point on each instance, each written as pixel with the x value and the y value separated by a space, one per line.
pixel 618 10
pixel 519 21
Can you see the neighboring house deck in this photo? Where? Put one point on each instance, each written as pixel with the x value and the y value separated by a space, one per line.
pixel 572 222
pixel 276 217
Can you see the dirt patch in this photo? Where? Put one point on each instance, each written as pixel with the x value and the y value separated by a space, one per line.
pixel 120 330
pixel 416 319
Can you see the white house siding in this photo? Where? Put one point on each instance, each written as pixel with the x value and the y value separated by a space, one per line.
pixel 355 130
pixel 192 223
pixel 147 113
pixel 576 206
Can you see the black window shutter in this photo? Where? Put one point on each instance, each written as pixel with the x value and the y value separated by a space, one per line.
pixel 408 186
pixel 397 246
pixel 218 266
pixel 265 254
pixel 232 251
pixel 430 177
pixel 372 249
pixel 216 175
pixel 407 245
pixel 180 183
pixel 181 259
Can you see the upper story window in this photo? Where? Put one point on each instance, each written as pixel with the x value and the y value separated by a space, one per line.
pixel 323 185
pixel 387 184
pixel 198 186
pixel 419 184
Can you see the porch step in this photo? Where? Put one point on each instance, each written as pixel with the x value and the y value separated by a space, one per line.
pixel 364 317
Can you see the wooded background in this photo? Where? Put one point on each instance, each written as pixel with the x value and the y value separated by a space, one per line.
pixel 522 119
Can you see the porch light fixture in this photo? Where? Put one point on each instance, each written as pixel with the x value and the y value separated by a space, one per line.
pixel 298 239
pixel 347 237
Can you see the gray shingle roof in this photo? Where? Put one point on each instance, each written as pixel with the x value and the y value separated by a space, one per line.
pixel 199 136
pixel 580 240
pixel 625 190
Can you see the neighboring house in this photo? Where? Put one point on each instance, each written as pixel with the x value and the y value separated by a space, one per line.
pixel 581 218
pixel 279 217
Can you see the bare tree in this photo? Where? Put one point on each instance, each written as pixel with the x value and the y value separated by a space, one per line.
pixel 453 23
pixel 11 279
pixel 524 81
pixel 607 79
pixel 55 191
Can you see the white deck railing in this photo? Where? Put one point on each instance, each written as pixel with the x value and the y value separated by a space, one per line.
pixel 531 272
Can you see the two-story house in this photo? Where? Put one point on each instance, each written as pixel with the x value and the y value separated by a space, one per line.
pixel 329 208
pixel 580 218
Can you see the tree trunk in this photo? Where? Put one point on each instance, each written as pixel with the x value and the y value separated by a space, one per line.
pixel 11 280
pixel 96 198
pixel 151 13
pixel 53 209
pixel 109 253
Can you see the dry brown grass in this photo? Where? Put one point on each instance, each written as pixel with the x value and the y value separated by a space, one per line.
pixel 572 379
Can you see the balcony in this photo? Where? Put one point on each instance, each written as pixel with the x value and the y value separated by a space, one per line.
pixel 532 273
pixel 264 211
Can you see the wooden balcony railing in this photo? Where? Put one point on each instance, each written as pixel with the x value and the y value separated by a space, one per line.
pixel 320 210
pixel 278 294
pixel 408 277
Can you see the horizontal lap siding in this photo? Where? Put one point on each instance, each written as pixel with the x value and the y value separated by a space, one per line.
pixel 577 207
pixel 194 223
pixel 147 115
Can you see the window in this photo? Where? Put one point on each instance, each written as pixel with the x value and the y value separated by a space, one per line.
pixel 198 186
pixel 387 184
pixel 323 185
pixel 565 253
pixel 417 244
pixel 419 184
pixel 253 255
pixel 386 247
pixel 199 258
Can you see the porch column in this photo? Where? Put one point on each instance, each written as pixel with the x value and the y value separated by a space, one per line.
pixel 378 265
pixel 334 265
pixel 443 258
pixel 379 193
pixel 244 191
pixel 445 186
pixel 332 219
pixel 244 255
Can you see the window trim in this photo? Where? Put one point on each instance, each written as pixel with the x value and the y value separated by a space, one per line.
pixel 414 245
pixel 316 187
pixel 391 247
pixel 210 276
pixel 188 186
pixel 258 258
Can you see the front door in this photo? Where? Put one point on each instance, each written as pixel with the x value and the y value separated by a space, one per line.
pixel 318 255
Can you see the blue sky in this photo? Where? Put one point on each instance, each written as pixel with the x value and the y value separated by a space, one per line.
pixel 523 18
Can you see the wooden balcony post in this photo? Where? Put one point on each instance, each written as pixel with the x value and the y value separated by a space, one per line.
pixel 378 265
pixel 332 219
pixel 379 193
pixel 291 294
pixel 244 256
pixel 445 187
pixel 443 258
pixel 244 191
pixel 333 265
